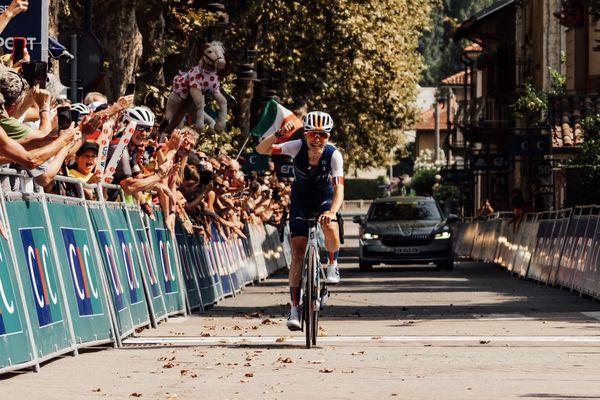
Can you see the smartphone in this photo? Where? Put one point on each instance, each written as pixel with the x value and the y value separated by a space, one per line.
pixel 130 89
pixel 36 73
pixel 18 50
pixel 75 115
pixel 64 117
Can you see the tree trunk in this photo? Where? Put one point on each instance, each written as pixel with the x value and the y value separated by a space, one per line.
pixel 122 42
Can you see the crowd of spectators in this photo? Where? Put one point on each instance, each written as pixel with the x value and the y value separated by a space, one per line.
pixel 208 193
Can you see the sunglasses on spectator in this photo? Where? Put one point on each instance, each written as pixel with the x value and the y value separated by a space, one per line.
pixel 313 134
pixel 201 158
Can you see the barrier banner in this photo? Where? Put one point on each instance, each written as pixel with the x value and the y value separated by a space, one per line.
pixel 208 280
pixel 256 238
pixel 81 271
pixel 232 264
pixel 584 262
pixel 189 273
pixel 251 270
pixel 526 247
pixel 213 283
pixel 559 243
pixel 540 265
pixel 591 278
pixel 573 245
pixel 39 279
pixel 128 259
pixel 113 270
pixel 15 342
pixel 149 269
pixel 164 253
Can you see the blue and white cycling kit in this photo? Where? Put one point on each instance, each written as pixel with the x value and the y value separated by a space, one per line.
pixel 312 189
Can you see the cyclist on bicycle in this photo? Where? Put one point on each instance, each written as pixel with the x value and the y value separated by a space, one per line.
pixel 318 187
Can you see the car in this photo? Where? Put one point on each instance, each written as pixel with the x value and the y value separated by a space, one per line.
pixel 405 230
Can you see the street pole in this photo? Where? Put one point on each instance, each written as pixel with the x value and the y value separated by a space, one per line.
pixel 436 130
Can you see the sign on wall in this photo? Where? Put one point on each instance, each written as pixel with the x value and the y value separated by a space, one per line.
pixel 32 25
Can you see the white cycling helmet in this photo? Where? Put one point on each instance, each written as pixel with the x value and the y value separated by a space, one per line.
pixel 318 121
pixel 81 108
pixel 142 115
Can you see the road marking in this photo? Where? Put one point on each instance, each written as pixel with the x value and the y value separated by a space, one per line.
pixel 592 314
pixel 241 340
pixel 502 317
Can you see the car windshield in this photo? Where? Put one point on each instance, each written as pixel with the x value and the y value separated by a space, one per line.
pixel 405 211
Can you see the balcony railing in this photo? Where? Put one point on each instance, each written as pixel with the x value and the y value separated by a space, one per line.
pixel 484 112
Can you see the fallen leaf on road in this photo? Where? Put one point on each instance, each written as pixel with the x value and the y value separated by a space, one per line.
pixel 184 372
pixel 358 353
pixel 205 334
pixel 169 365
pixel 134 394
pixel 96 390
pixel 286 360
pixel 194 375
pixel 247 364
pixel 236 328
pixel 484 341
pixel 326 370
pixel 255 327
pixel 249 375
pixel 268 322
pixel 322 332
pixel 280 339
pixel 347 371
pixel 252 315
pixel 316 361
pixel 376 337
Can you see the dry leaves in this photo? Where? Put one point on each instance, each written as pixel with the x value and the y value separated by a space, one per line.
pixel 326 370
pixel 286 360
pixel 134 394
pixel 316 361
pixel 169 365
pixel 358 353
pixel 205 334
pixel 249 375
pixel 252 315
pixel 280 339
pixel 98 390
pixel 268 322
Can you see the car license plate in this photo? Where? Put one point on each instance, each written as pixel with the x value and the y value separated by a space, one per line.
pixel 406 250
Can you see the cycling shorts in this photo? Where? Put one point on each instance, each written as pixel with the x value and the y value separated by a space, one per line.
pixel 305 203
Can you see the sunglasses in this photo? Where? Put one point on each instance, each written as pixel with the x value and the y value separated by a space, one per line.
pixel 143 129
pixel 313 134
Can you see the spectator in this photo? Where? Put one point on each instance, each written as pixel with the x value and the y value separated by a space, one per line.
pixel 485 209
pixel 85 167
pixel 518 203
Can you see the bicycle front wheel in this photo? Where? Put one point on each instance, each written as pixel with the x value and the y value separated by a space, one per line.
pixel 310 311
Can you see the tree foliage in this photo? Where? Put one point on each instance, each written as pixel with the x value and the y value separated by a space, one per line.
pixel 357 60
pixel 442 55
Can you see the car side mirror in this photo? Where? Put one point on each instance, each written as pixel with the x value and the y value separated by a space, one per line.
pixel 358 219
pixel 452 218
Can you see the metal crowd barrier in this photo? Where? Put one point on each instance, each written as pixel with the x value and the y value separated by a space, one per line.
pixel 76 273
pixel 558 248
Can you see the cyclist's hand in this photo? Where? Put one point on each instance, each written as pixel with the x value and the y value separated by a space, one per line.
pixel 326 217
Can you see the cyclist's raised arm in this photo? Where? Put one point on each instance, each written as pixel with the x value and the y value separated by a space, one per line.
pixel 267 145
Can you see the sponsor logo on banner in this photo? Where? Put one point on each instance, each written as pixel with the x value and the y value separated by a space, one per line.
pixel 198 258
pixel 108 254
pixel 41 271
pixel 184 258
pixel 166 261
pixel 9 317
pixel 135 292
pixel 148 263
pixel 83 271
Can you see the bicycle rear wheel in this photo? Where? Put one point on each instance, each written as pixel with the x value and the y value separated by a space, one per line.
pixel 308 302
pixel 312 271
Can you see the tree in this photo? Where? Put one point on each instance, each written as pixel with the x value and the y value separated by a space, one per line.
pixel 357 60
pixel 442 55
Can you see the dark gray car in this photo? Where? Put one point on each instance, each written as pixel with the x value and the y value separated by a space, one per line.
pixel 405 230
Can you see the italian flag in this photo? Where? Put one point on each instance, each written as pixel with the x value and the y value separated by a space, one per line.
pixel 273 117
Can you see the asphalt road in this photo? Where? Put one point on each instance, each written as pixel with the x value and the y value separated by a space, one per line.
pixel 397 332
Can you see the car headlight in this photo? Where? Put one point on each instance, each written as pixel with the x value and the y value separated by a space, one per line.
pixel 443 235
pixel 370 236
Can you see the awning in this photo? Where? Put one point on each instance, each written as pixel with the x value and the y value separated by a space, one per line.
pixel 465 28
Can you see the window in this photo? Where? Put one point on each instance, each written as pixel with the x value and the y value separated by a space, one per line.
pixel 405 211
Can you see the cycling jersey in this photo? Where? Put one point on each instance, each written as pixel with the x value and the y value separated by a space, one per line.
pixel 312 189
